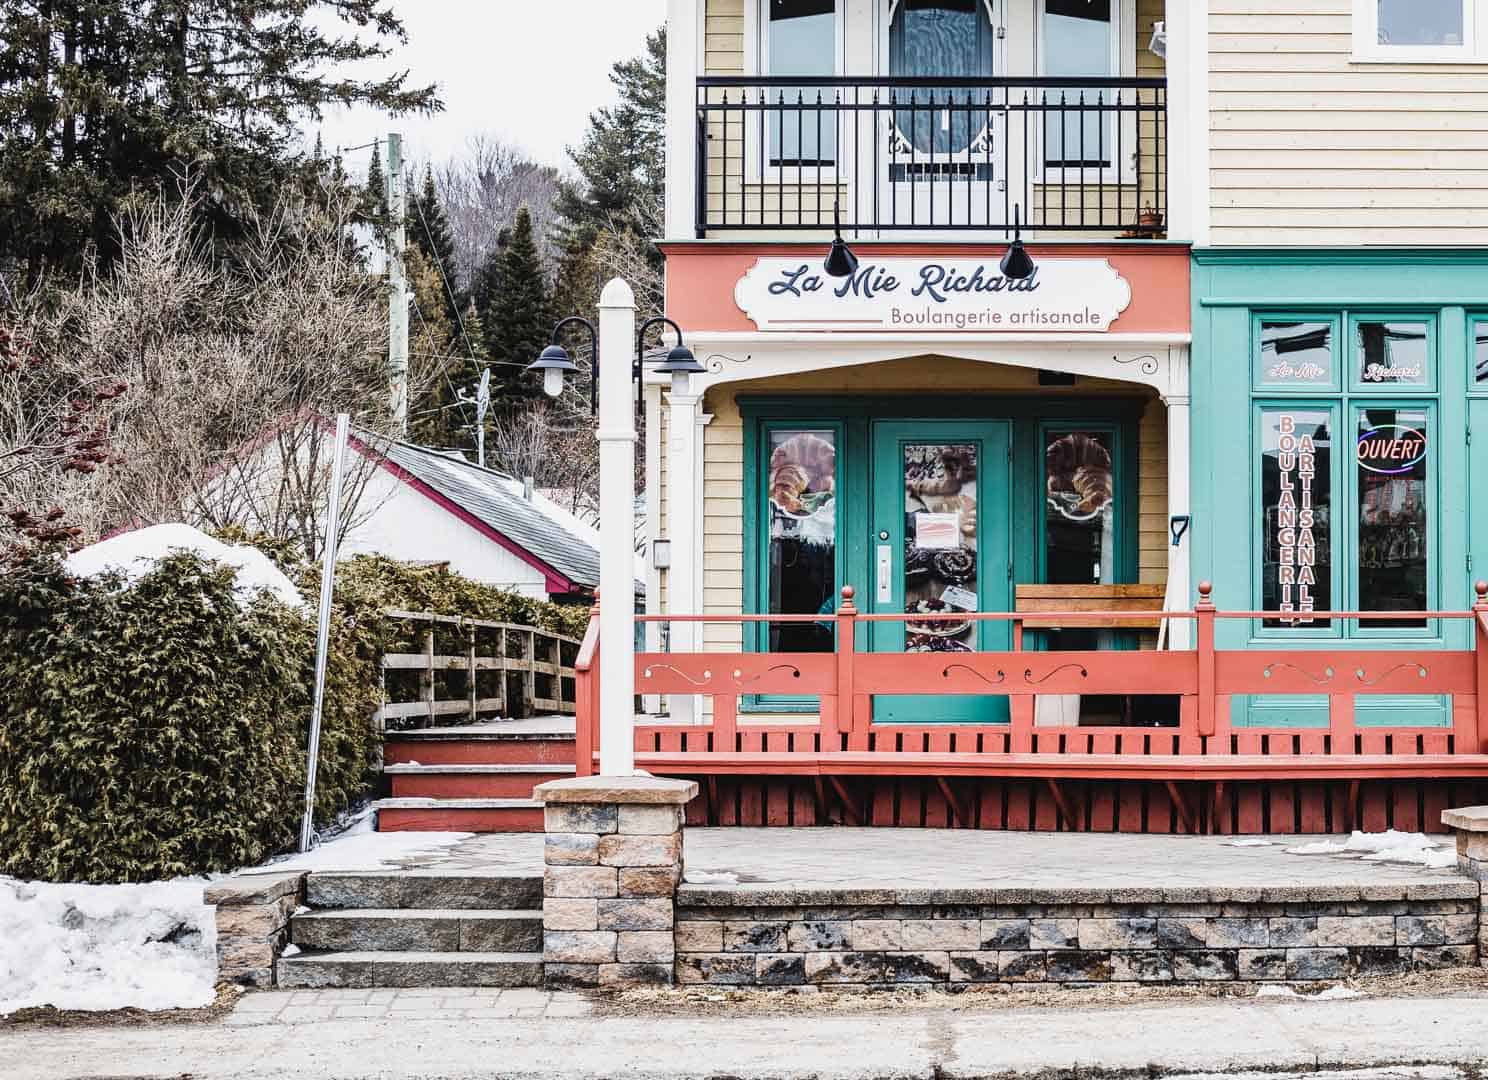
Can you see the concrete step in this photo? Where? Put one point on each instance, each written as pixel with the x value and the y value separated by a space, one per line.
pixel 428 890
pixel 365 970
pixel 539 741
pixel 419 930
pixel 459 815
pixel 472 781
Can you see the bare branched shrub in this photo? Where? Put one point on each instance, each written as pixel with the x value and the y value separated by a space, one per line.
pixel 228 359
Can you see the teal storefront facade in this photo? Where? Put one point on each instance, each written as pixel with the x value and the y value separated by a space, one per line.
pixel 1335 395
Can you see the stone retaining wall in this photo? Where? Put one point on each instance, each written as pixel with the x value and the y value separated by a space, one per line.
pixel 880 937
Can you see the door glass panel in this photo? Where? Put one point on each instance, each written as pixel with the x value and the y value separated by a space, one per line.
pixel 803 537
pixel 1296 354
pixel 1392 455
pixel 1297 537
pixel 940 39
pixel 1077 40
pixel 1079 537
pixel 1480 352
pixel 802 41
pixel 1420 22
pixel 1392 353
pixel 940 530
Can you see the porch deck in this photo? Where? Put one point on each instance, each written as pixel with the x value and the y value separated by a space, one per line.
pixel 1209 772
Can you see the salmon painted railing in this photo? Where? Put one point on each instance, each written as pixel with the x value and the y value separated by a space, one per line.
pixel 843 738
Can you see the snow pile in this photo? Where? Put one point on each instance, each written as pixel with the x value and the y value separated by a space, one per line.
pixel 1250 841
pixel 1332 993
pixel 710 877
pixel 370 851
pixel 1392 846
pixel 97 947
pixel 134 554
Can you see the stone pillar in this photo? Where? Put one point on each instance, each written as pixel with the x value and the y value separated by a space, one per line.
pixel 1470 823
pixel 612 861
pixel 253 912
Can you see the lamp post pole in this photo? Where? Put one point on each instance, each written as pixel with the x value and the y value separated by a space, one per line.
pixel 617 439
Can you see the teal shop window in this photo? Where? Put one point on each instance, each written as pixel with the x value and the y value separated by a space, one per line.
pixel 1393 355
pixel 801 503
pixel 1296 353
pixel 1392 455
pixel 1296 467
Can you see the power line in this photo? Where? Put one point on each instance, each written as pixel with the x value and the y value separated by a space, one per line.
pixel 448 290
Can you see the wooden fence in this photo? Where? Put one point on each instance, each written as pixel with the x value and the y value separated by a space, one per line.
pixel 500 670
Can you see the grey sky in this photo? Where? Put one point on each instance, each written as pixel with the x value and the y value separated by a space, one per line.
pixel 528 71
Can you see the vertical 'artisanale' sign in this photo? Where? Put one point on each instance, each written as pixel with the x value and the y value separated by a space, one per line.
pixel 1295 518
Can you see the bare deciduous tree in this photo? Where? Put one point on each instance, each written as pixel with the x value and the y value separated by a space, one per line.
pixel 481 191
pixel 229 363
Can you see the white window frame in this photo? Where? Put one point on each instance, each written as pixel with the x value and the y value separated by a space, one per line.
pixel 756 50
pixel 1366 48
pixel 1124 64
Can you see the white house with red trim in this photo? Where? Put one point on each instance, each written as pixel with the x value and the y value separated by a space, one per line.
pixel 425 505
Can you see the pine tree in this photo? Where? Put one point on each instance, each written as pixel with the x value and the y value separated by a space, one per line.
pixel 429 228
pixel 376 184
pixel 519 317
pixel 103 99
pixel 621 158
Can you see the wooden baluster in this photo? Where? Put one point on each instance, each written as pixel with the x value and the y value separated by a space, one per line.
pixel 428 675
pixel 1205 636
pixel 470 673
pixel 1480 648
pixel 856 713
pixel 529 674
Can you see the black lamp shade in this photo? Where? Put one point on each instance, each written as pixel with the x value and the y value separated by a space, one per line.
pixel 840 262
pixel 1017 264
pixel 554 358
pixel 680 361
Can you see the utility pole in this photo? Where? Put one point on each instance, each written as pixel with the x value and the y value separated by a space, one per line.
pixel 397 285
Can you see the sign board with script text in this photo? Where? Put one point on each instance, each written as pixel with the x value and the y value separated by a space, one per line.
pixel 910 295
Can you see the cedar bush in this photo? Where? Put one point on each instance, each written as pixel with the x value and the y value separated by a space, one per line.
pixel 158 728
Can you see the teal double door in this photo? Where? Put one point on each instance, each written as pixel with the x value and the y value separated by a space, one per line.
pixel 941 544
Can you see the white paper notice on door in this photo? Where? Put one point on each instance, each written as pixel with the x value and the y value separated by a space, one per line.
pixel 960 599
pixel 937 531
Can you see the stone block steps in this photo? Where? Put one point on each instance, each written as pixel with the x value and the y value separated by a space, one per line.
pixel 401 928
pixel 477 778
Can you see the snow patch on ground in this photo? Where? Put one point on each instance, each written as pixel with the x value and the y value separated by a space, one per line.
pixel 1332 993
pixel 96 947
pixel 367 851
pixel 1392 846
pixel 710 877
pixel 134 554
pixel 1250 841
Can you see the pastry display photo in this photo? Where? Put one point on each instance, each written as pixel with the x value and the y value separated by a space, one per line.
pixel 940 545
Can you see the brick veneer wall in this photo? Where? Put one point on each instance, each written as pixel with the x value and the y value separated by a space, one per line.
pixel 752 937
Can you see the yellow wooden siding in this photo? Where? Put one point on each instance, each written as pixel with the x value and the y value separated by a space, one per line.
pixel 1310 148
pixel 723 463
pixel 723 37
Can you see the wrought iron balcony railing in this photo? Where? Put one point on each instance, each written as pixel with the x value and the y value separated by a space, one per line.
pixel 1072 155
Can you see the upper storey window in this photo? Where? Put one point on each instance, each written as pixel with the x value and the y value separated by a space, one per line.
pixel 1420 31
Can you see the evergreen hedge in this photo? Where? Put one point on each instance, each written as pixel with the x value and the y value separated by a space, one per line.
pixel 157 728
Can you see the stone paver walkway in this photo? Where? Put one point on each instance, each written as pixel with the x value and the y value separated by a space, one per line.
pixel 314 1006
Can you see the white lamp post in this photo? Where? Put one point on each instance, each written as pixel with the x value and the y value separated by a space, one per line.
pixel 617 438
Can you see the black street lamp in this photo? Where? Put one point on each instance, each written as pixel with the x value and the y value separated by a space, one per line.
pixel 1017 264
pixel 555 364
pixel 840 261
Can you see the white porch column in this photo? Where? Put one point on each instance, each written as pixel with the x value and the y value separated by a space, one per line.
pixel 683 519
pixel 1180 631
pixel 617 442
pixel 683 66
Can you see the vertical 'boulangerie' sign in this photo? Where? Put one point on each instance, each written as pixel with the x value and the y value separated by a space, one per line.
pixel 1295 486
pixel 1296 544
